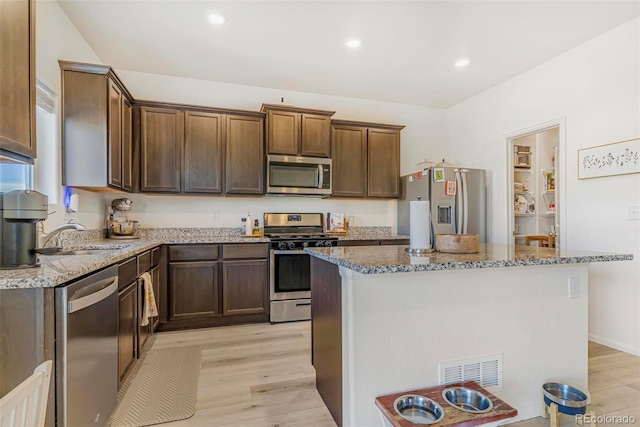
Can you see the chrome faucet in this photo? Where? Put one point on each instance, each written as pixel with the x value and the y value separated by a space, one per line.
pixel 46 238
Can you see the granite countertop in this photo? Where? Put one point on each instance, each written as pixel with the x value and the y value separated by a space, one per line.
pixel 55 270
pixel 394 259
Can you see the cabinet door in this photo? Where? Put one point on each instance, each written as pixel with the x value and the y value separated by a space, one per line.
pixel 349 155
pixel 143 331
pixel 127 146
pixel 244 146
pixel 316 136
pixel 127 321
pixel 245 287
pixel 193 290
pixel 115 135
pixel 17 77
pixel 161 133
pixel 283 132
pixel 383 158
pixel 155 278
pixel 202 152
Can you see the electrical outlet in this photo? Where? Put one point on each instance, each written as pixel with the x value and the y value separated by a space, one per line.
pixel 634 212
pixel 574 287
pixel 215 215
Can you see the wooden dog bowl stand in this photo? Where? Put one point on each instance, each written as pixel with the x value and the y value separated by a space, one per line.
pixel 452 416
pixel 553 413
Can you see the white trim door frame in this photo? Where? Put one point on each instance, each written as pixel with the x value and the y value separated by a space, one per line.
pixel 560 177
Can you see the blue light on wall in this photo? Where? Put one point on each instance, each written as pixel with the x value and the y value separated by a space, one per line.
pixel 66 200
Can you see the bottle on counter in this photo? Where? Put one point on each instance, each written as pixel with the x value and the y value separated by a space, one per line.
pixel 256 228
pixel 248 226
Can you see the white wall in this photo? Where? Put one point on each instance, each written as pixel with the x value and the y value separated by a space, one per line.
pixel 57 38
pixel 596 87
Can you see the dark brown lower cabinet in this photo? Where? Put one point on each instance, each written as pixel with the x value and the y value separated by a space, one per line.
pixel 127 324
pixel 193 290
pixel 244 289
pixel 214 285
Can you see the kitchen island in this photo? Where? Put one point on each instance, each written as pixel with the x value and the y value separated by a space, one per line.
pixel 384 321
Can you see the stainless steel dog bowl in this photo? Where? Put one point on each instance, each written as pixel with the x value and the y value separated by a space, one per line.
pixel 418 409
pixel 570 400
pixel 467 400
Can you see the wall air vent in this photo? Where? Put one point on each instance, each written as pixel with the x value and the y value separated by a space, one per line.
pixel 485 370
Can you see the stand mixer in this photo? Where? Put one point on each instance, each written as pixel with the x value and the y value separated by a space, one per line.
pixel 118 225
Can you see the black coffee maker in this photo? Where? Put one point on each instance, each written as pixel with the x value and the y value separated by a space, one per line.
pixel 20 211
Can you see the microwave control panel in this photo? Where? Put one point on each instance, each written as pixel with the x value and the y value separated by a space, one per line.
pixel 326 176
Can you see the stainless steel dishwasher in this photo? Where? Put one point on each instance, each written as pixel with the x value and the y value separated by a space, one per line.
pixel 87 349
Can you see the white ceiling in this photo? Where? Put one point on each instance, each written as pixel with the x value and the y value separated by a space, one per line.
pixel 407 53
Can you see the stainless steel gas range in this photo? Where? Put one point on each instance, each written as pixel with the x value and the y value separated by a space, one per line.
pixel 290 281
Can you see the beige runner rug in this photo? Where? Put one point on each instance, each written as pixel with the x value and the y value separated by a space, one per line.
pixel 163 389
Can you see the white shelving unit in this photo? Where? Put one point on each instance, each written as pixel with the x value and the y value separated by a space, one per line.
pixel 536 186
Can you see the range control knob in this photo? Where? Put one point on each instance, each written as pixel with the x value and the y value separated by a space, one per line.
pixel 305 244
pixel 327 243
pixel 282 246
pixel 291 245
pixel 318 243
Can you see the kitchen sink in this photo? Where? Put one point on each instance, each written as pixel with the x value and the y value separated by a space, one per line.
pixel 85 251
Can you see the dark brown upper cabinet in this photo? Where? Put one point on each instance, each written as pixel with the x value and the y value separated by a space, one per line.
pixel 349 161
pixel 129 170
pixel 366 159
pixel 161 140
pixel 244 154
pixel 17 77
pixel 96 129
pixel 298 131
pixel 192 149
pixel 383 163
pixel 202 152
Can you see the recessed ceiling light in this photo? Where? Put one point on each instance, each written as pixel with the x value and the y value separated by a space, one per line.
pixel 216 18
pixel 462 62
pixel 352 43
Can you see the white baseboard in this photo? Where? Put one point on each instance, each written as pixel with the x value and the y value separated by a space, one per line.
pixel 614 344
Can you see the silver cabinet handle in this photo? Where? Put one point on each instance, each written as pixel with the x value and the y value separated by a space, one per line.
pixel 80 303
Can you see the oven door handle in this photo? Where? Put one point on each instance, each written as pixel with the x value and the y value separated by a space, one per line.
pixel 291 252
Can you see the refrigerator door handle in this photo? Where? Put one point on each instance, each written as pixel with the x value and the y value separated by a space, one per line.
pixel 457 209
pixel 465 204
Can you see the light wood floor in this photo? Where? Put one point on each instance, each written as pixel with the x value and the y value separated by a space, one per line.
pixel 261 376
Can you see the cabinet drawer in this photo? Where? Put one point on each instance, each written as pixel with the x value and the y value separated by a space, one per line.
pixel 155 256
pixel 395 242
pixel 127 272
pixel 193 252
pixel 245 250
pixel 144 262
pixel 358 243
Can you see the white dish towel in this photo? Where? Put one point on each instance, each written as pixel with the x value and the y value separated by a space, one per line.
pixel 149 308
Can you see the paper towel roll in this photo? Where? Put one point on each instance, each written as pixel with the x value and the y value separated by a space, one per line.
pixel 419 227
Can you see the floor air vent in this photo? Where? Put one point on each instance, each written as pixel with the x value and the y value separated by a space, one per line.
pixel 486 371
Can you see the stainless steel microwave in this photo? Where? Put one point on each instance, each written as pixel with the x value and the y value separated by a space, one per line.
pixel 298 175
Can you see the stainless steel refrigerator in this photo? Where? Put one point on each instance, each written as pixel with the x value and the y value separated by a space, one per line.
pixel 457 199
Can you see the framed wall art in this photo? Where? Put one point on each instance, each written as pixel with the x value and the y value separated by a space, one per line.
pixel 618 158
